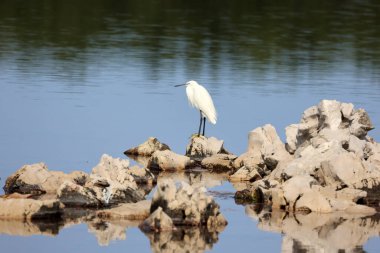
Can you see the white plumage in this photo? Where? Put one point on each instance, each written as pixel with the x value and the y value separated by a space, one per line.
pixel 199 98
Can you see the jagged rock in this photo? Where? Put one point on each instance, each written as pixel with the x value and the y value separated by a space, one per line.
pixel 360 123
pixel 37 179
pixel 291 138
pixel 219 163
pixel 245 174
pixel 187 205
pixel 27 209
pixel 347 169
pixel 130 211
pixel 266 153
pixel 157 221
pixel 147 148
pixel 72 194
pixel 200 147
pixel 168 160
pixel 116 169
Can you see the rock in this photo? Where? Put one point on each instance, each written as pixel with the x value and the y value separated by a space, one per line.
pixel 130 211
pixel 291 138
pixel 360 123
pixel 142 175
pixel 296 187
pixel 187 205
pixel 264 142
pixel 313 201
pixel 157 221
pixel 346 169
pixel 308 126
pixel 330 115
pixel 347 109
pixel 168 160
pixel 27 209
pixel 118 170
pixel 219 163
pixel 147 148
pixel 249 196
pixel 200 147
pixel 245 174
pixel 37 179
pixel 75 195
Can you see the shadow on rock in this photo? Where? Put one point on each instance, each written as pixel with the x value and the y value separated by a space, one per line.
pixel 318 232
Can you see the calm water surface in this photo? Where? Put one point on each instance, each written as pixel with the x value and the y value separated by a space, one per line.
pixel 79 79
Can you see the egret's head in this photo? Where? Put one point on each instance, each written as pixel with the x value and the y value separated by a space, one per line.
pixel 191 82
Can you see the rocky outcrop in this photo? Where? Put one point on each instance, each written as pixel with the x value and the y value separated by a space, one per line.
pixel 110 182
pixel 118 170
pixel 169 161
pixel 187 205
pixel 265 153
pixel 37 179
pixel 201 146
pixel 326 165
pixel 147 148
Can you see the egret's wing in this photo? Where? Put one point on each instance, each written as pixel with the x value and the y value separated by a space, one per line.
pixel 204 103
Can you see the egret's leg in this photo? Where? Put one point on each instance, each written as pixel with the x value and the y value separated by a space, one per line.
pixel 200 125
pixel 204 126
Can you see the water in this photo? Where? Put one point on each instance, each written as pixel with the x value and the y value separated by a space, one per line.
pixel 81 79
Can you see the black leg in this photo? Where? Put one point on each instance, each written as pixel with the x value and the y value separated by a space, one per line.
pixel 204 126
pixel 200 125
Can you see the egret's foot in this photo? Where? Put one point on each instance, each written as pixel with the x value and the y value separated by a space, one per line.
pixel 195 135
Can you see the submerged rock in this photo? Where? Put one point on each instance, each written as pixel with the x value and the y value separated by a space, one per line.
pixel 147 148
pixel 37 179
pixel 200 147
pixel 187 205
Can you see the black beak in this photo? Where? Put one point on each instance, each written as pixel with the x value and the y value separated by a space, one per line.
pixel 180 85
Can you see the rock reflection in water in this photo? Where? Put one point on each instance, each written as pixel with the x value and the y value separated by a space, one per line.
pixel 183 240
pixel 107 231
pixel 318 232
pixel 28 228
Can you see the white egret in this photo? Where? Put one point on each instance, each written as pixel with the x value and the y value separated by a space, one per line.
pixel 199 98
